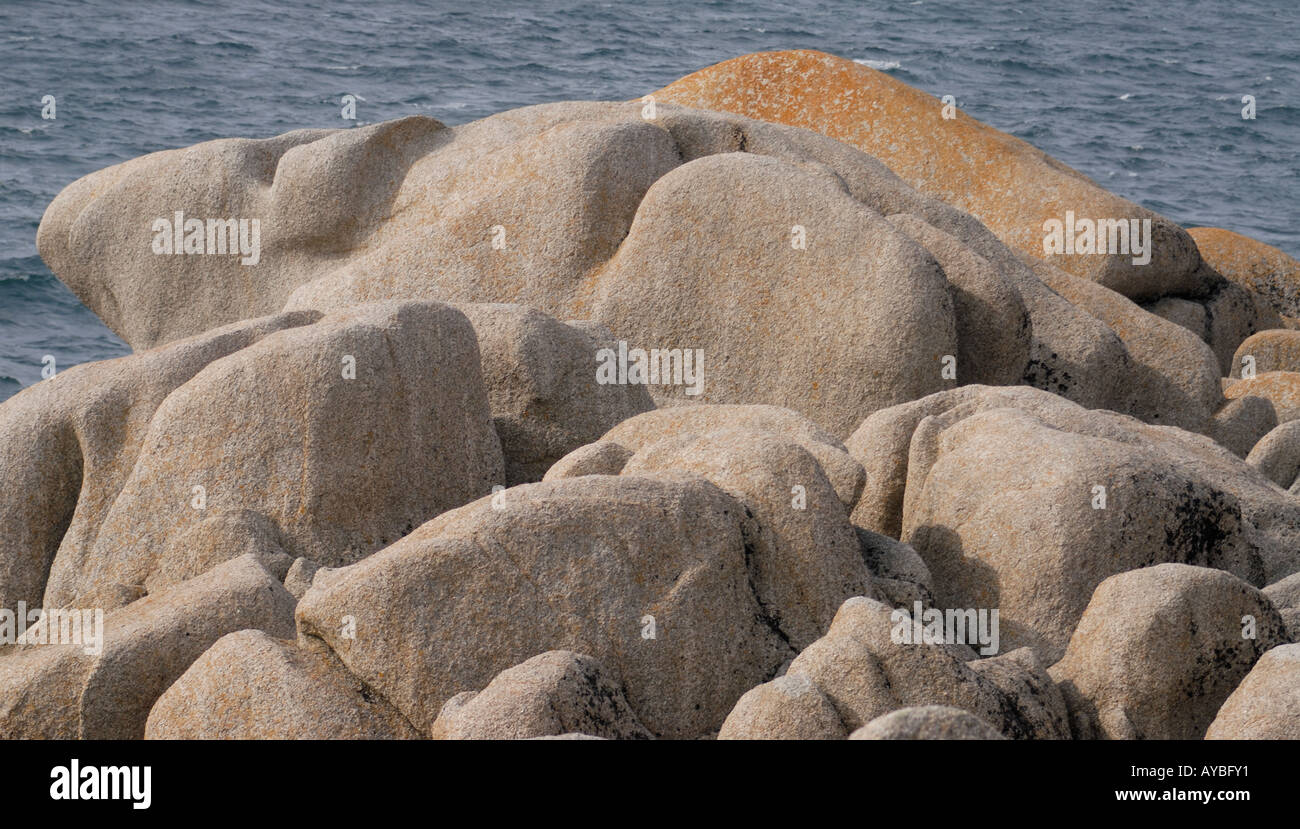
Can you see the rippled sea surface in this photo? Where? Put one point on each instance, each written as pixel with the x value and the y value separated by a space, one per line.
pixel 1144 97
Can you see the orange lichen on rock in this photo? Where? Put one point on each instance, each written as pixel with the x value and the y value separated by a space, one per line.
pixel 1255 266
pixel 1009 185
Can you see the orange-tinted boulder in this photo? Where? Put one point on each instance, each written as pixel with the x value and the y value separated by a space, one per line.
pixel 1009 185
pixel 1259 268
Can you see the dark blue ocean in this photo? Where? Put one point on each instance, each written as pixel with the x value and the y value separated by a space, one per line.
pixel 1144 97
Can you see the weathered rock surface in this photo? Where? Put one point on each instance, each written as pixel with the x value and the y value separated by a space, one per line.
pixel 946 475
pixel 1277 349
pixel 1242 423
pixel 805 555
pixel 97 235
pixel 252 686
pixel 1285 592
pixel 649 576
pixel 1277 454
pixel 298 580
pixel 1281 388
pixel 1174 378
pixel 973 167
pixel 898 571
pixel 994 329
pixel 787 708
pixel 218 537
pixel 1031 691
pixel 1185 312
pixel 875 282
pixel 1159 649
pixel 1266 705
pixel 540 376
pixel 864 673
pixel 551 695
pixel 1016 525
pixel 345 434
pixel 1285 596
pixel 844 473
pixel 1259 268
pixel 68 444
pixel 962 161
pixel 740 242
pixel 927 722
pixel 59 691
pixel 1234 314
pixel 603 457
pixel 602 215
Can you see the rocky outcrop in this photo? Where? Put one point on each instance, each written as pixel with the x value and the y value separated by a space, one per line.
pixel 253 686
pixel 1008 493
pixel 68 446
pixel 1266 705
pixel 651 577
pixel 1281 388
pixel 927 722
pixel 630 251
pixel 333 438
pixel 1277 349
pixel 104 686
pixel 1261 269
pixel 957 159
pixel 805 555
pixel 767 419
pixel 539 375
pixel 861 669
pixel 734 260
pixel 1159 650
pixel 550 695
